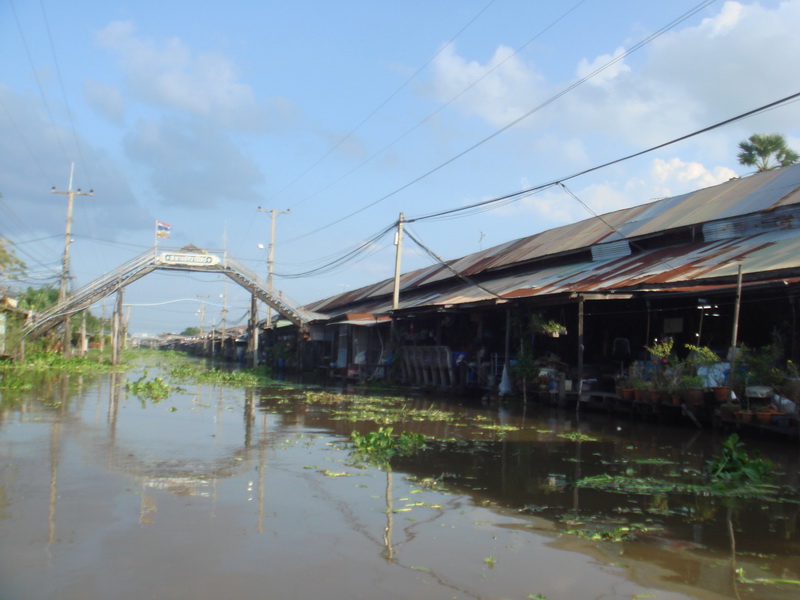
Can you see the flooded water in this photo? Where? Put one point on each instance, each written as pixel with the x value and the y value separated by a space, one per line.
pixel 220 492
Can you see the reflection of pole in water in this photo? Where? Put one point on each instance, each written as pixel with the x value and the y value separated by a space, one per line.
pixel 262 467
pixel 249 416
pixel 147 506
pixel 387 534
pixel 732 537
pixel 51 513
pixel 113 406
pixel 575 503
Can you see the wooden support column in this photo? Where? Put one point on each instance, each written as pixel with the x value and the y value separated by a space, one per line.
pixel 736 308
pixel 580 352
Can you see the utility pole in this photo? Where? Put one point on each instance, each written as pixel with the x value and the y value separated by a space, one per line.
pixel 62 291
pixel 271 255
pixel 224 315
pixel 203 321
pixel 398 241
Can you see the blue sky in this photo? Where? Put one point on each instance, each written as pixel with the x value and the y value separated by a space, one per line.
pixel 349 113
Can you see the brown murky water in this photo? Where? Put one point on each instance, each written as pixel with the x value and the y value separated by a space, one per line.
pixel 228 493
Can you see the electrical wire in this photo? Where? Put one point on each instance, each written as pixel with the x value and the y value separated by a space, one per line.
pixel 63 90
pixel 508 198
pixel 38 81
pixel 360 252
pixel 379 107
pixel 516 195
pixel 638 46
pixel 449 267
pixel 430 116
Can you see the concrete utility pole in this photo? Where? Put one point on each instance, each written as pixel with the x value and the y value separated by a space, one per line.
pixel 252 327
pixel 398 241
pixel 271 254
pixel 62 292
pixel 203 322
pixel 116 330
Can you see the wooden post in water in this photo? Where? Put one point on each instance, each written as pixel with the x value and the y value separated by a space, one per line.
pixel 580 352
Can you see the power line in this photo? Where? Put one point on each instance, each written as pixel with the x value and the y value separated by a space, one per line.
pixel 540 187
pixel 443 106
pixel 642 43
pixel 38 81
pixel 379 107
pixel 449 267
pixel 513 197
pixel 63 91
pixel 360 252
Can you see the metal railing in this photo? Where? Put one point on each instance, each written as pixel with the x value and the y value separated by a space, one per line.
pixel 148 261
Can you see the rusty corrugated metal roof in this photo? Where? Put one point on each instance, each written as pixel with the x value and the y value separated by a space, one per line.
pixel 758 252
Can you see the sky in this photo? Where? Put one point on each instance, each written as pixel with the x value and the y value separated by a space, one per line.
pixel 206 115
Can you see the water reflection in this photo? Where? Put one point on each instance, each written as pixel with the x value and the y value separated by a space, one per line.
pixel 178 489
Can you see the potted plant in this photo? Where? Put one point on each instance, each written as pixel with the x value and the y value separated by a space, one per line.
pixel 553 328
pixel 666 373
pixel 708 365
pixel 634 379
pixel 692 389
pixel 791 385
pixel 764 413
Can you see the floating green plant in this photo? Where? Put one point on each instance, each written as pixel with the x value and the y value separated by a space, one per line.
pixel 576 437
pixel 380 446
pixel 191 372
pixel 155 389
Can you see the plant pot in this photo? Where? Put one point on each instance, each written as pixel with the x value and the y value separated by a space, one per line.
pixel 780 420
pixel 676 399
pixel 722 393
pixel 655 396
pixel 638 395
pixel 744 417
pixel 628 394
pixel 791 388
pixel 764 417
pixel 694 397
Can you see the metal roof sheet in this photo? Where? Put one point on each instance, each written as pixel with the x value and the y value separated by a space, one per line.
pixel 761 249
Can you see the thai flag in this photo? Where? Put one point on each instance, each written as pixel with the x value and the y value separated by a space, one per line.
pixel 162 229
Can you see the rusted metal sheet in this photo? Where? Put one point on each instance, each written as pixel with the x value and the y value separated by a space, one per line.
pixel 771 244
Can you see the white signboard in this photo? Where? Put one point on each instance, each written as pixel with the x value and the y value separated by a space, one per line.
pixel 171 258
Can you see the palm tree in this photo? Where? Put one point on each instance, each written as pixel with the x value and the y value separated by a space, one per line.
pixel 761 148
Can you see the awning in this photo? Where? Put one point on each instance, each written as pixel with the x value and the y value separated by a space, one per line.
pixel 362 319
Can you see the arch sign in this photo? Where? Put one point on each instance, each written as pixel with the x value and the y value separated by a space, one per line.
pixel 173 258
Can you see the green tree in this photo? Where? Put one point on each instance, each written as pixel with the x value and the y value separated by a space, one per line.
pixel 38 299
pixel 766 151
pixel 191 331
pixel 10 265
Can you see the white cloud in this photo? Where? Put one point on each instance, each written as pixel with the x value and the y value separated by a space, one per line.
pixel 107 100
pixel 36 156
pixel 504 88
pixel 676 176
pixel 685 79
pixel 603 68
pixel 170 75
pixel 193 164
